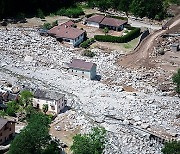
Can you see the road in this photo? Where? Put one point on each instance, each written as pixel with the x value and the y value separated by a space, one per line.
pixel 140 24
pixel 140 57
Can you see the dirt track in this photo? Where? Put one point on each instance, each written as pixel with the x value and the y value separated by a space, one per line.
pixel 140 57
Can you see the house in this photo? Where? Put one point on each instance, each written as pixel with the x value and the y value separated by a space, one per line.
pixel 7 130
pixel 82 68
pixel 55 101
pixel 67 32
pixel 101 21
pixel 95 20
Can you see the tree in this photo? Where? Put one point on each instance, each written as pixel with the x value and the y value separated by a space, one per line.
pixel 45 108
pixel 12 108
pixel 2 114
pixel 34 138
pixel 52 148
pixel 124 6
pixel 176 80
pixel 26 98
pixel 106 30
pixel 92 143
pixel 171 148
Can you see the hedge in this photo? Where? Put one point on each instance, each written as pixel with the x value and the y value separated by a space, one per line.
pixel 87 43
pixel 122 39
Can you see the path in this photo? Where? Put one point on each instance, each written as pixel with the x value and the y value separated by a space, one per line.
pixel 140 57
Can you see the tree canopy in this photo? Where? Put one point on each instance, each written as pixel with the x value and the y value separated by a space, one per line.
pixel 176 80
pixel 34 138
pixel 171 148
pixel 92 143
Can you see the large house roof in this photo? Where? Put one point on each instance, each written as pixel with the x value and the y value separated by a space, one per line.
pixel 101 19
pixel 66 30
pixel 113 22
pixel 4 122
pixel 81 64
pixel 47 95
pixel 96 18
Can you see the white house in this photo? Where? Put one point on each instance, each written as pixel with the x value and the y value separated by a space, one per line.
pixel 101 21
pixel 68 33
pixel 95 20
pixel 55 101
pixel 82 68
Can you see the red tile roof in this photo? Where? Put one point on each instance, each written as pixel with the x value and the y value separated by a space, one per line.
pixel 96 18
pixel 66 30
pixel 81 64
pixel 101 19
pixel 113 22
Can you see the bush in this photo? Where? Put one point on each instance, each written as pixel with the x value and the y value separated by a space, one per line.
pixel 47 26
pixel 88 53
pixel 55 23
pixel 87 43
pixel 122 39
pixel 72 12
pixel 40 14
pixel 171 148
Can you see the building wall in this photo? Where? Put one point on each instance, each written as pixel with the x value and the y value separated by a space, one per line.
pixel 84 74
pixel 80 73
pixel 78 40
pixel 75 41
pixel 93 24
pixel 93 72
pixel 112 27
pixel 53 106
pixel 6 131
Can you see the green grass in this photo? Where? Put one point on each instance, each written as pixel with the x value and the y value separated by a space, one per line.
pixel 127 46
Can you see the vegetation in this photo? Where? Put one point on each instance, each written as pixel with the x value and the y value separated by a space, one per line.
pixel 92 143
pixel 72 12
pixel 10 8
pixel 116 39
pixel 34 138
pixel 176 80
pixel 12 108
pixel 40 14
pixel 140 8
pixel 45 108
pixel 106 30
pixel 87 43
pixel 88 53
pixel 171 148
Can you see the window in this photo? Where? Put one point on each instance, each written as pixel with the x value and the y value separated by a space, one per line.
pixel 0 134
pixel 72 70
pixel 0 140
pixel 82 72
pixel 10 129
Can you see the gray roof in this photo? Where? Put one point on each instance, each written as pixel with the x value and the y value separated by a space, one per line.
pixel 47 95
pixel 81 64
pixel 3 122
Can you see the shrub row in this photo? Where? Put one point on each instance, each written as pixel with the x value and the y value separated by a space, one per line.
pixel 122 39
pixel 87 43
pixel 72 12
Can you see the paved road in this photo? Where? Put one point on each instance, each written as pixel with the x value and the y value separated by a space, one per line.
pixel 137 23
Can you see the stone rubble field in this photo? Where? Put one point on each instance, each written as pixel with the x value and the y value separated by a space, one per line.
pixel 30 59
